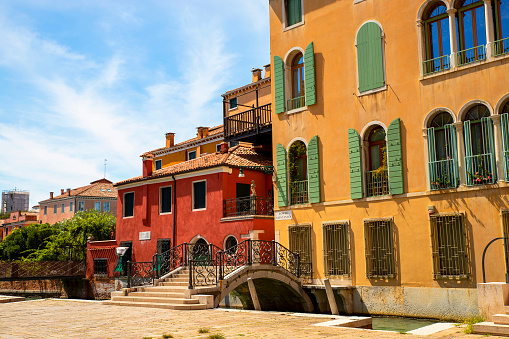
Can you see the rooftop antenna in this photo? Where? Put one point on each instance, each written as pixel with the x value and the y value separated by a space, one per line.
pixel 105 160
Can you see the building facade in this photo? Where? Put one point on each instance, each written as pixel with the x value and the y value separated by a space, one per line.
pixel 15 221
pixel 15 200
pixel 100 195
pixel 390 135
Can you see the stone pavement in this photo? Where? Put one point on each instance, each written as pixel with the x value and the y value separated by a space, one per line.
pixel 54 318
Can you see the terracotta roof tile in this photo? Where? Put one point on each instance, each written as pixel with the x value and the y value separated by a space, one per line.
pixel 100 188
pixel 235 157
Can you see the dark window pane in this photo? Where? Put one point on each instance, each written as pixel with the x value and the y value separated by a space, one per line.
pixel 101 266
pixel 159 164
pixel 191 155
pixel 165 199
pixel 199 195
pixel 233 103
pixel 129 204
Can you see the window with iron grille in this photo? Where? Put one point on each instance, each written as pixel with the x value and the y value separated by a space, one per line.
pixel 449 246
pixel 379 240
pixel 300 242
pixel 101 266
pixel 336 249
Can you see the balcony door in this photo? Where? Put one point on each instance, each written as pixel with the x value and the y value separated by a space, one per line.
pixel 243 199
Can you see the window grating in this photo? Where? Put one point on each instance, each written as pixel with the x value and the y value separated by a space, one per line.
pixel 300 242
pixel 336 249
pixel 100 266
pixel 380 259
pixel 449 246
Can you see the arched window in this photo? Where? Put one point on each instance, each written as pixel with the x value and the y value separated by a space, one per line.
pixel 442 152
pixel 438 47
pixel 297 167
pixel 293 11
pixel 200 250
pixel 472 31
pixel 370 66
pixel 230 245
pixel 479 146
pixel 501 12
pixel 504 119
pixel 377 179
pixel 297 70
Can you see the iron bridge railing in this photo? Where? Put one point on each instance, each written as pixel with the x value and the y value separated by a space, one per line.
pixel 29 270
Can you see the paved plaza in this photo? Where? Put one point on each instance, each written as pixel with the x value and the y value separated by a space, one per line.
pixel 53 318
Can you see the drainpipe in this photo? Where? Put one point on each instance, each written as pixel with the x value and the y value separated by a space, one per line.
pixel 174 211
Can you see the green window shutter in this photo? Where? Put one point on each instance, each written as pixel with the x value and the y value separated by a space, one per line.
pixel 431 157
pixel 279 84
pixel 468 152
pixel 505 143
pixel 369 57
pixel 488 134
pixel 354 150
pixel 452 151
pixel 282 182
pixel 294 11
pixel 309 75
pixel 395 158
pixel 314 170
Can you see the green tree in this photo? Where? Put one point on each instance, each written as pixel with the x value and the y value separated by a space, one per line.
pixel 24 241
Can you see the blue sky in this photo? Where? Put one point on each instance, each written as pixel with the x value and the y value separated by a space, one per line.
pixel 84 81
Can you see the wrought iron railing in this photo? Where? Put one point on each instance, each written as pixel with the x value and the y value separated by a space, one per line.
pixel 172 259
pixel 480 169
pixel 295 103
pixel 252 205
pixel 442 174
pixel 299 192
pixel 25 270
pixel 471 55
pixel 501 47
pixel 253 120
pixel 506 166
pixel 141 273
pixel 377 183
pixel 436 65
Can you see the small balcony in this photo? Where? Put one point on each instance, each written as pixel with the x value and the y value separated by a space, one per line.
pixel 442 174
pixel 295 103
pixel 248 125
pixel 299 192
pixel 480 169
pixel 248 206
pixel 506 166
pixel 436 65
pixel 501 47
pixel 377 183
pixel 471 55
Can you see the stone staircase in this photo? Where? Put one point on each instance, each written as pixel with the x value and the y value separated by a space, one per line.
pixel 169 293
pixel 498 326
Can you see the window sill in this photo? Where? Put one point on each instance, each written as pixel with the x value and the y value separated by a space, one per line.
pixel 372 91
pixel 357 1
pixel 199 209
pixel 132 216
pixel 165 213
pixel 297 110
pixel 293 26
pixel 233 109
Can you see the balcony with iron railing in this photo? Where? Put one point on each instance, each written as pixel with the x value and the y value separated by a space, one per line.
pixel 471 55
pixel 250 122
pixel 506 166
pixel 442 174
pixel 480 169
pixel 436 65
pixel 299 192
pixel 501 47
pixel 252 205
pixel 295 103
pixel 377 183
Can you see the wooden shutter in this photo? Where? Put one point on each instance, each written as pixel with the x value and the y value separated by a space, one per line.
pixel 505 143
pixel 452 150
pixel 279 84
pixel 309 75
pixel 488 135
pixel 468 152
pixel 369 57
pixel 354 149
pixel 282 183
pixel 314 170
pixel 395 158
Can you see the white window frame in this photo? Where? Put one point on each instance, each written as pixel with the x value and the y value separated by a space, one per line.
pixel 104 206
pixel 62 208
pixel 55 209
pixel 195 155
pixel 160 162
pixel 45 210
pixel 230 108
pixel 285 26
pixel 218 147
pixel 192 201
pixel 81 203
pixel 95 206
pixel 161 200
pixel 123 205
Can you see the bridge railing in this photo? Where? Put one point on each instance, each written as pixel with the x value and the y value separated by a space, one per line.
pixel 26 270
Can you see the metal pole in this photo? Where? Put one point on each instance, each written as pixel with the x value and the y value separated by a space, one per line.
pixel 298 265
pixel 273 249
pixel 249 248
pixel 128 274
pixel 190 287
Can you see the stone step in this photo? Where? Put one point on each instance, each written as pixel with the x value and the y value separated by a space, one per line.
pixel 156 294
pixel 502 319
pixel 491 328
pixel 166 289
pixel 141 299
pixel 174 283
pixel 157 305
pixel 173 279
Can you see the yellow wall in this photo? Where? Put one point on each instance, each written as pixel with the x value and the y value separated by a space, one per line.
pixel 180 156
pixel 248 97
pixel 332 27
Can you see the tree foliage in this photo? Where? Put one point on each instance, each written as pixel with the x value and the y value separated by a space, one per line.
pixel 21 243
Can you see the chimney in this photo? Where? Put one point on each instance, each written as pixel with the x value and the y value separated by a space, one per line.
pixel 257 74
pixel 267 71
pixel 203 132
pixel 147 164
pixel 51 195
pixel 170 139
pixel 224 147
pixel 69 192
pixel 61 191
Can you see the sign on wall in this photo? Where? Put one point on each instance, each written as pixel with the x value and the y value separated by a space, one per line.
pixel 283 215
pixel 145 235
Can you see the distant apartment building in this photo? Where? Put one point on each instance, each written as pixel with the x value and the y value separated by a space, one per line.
pixel 15 221
pixel 15 200
pixel 99 195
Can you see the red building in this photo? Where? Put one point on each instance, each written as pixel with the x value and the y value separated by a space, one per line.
pixel 16 220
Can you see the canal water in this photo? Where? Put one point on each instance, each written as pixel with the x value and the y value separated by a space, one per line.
pixel 399 324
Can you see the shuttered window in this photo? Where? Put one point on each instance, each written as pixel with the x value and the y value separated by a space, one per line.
pixel 293 12
pixel 369 57
pixel 314 170
pixel 505 143
pixel 279 84
pixel 354 150
pixel 449 246
pixel 301 243
pixel 395 158
pixel 443 153
pixel 309 75
pixel 282 181
pixel 379 242
pixel 336 249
